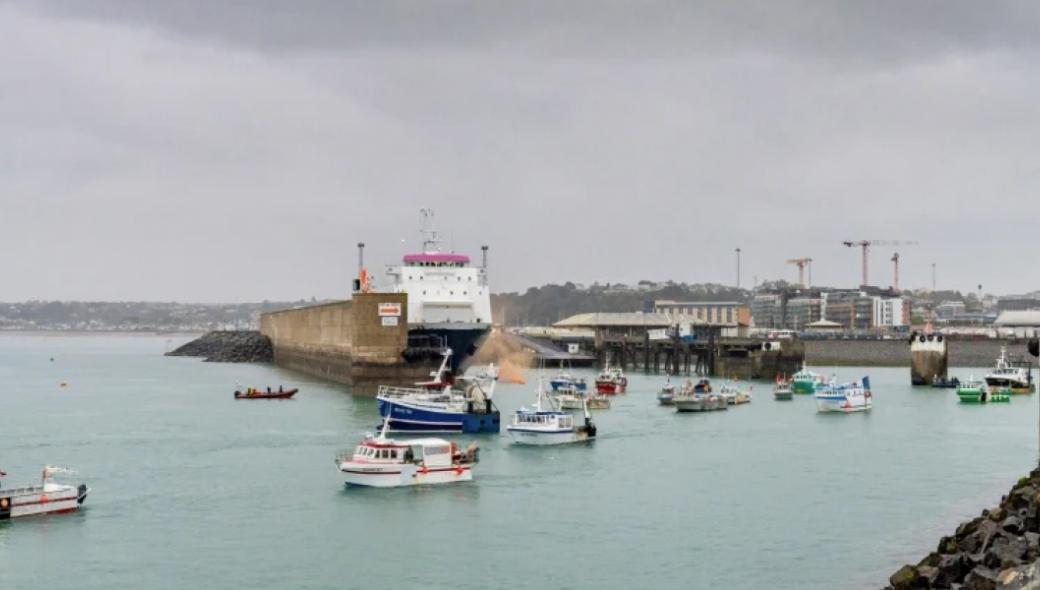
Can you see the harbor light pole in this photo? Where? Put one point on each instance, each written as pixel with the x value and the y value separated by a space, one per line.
pixel 738 268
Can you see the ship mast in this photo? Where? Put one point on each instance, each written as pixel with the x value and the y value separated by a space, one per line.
pixel 430 241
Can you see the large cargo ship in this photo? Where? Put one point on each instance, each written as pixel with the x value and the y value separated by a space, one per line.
pixel 449 302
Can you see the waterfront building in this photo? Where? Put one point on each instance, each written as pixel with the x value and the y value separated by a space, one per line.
pixel 767 311
pixel 1022 324
pixel 714 313
pixel 803 311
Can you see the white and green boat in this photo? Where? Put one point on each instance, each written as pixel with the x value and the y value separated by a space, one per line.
pixel 805 381
pixel 973 392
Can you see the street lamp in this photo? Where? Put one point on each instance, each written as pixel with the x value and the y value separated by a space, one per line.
pixel 738 268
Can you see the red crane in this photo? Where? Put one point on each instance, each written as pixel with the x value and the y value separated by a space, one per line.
pixel 866 244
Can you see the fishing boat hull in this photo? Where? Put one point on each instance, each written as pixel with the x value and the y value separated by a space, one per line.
pixel 700 404
pixel 564 384
pixel 405 417
pixel 842 403
pixel 41 500
pixel 266 395
pixel 972 395
pixel 535 437
pixel 804 387
pixel 356 474
pixel 598 402
pixel 610 387
pixel 1013 386
pixel 783 395
pixel 666 399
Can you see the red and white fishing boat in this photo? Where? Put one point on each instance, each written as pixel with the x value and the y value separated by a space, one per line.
pixel 611 380
pixel 49 497
pixel 382 462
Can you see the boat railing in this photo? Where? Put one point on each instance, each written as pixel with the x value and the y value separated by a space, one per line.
pixel 392 391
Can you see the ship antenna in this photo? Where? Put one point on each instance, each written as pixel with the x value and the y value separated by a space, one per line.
pixel 429 236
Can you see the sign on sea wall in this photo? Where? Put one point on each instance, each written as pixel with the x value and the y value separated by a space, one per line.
pixel 389 310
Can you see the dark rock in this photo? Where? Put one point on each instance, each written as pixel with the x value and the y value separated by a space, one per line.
pixel 1013 525
pixel 981 578
pixel 1006 552
pixel 967 528
pixel 908 578
pixel 229 347
pixel 951 569
pixel 947 545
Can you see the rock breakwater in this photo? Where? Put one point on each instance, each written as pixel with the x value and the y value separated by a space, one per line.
pixel 998 550
pixel 243 346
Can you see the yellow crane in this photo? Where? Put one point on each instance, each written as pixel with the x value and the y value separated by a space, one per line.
pixel 802 263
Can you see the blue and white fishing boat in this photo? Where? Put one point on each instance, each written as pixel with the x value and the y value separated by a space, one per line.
pixel 437 406
pixel 850 397
pixel 567 381
pixel 544 424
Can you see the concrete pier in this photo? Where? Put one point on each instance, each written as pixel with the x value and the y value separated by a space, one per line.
pixel 351 342
pixel 929 358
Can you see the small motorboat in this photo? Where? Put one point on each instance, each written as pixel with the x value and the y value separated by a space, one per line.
pixel 667 394
pixel 254 393
pixel 572 399
pixel 611 380
pixel 976 392
pixel 382 462
pixel 733 395
pixel 699 402
pixel 783 390
pixel 548 426
pixel 850 397
pixel 564 380
pixel 49 497
pixel 946 383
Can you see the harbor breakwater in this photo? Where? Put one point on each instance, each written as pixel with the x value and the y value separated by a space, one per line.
pixel 998 550
pixel 896 353
pixel 239 346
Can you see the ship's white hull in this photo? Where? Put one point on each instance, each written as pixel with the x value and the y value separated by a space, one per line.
pixel 400 475
pixel 546 437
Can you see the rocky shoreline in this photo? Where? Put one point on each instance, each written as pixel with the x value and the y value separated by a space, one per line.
pixel 998 550
pixel 243 346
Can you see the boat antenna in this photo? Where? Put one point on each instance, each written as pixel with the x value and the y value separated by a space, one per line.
pixel 385 428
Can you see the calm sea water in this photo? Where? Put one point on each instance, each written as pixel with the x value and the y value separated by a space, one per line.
pixel 191 489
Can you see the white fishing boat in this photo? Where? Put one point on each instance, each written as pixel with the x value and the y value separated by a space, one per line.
pixel 666 396
pixel 572 399
pixel 382 462
pixel 850 397
pixel 733 395
pixel 1010 373
pixel 49 497
pixel 545 424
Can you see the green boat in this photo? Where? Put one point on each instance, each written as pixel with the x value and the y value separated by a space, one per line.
pixel 1002 395
pixel 804 381
pixel 972 392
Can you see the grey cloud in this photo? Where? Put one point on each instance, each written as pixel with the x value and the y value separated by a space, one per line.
pixel 824 30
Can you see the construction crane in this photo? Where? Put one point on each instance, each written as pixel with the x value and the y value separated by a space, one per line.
pixel 866 244
pixel 802 263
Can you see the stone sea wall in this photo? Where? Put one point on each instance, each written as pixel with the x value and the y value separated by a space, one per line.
pixel 245 346
pixel 998 550
pixel 896 353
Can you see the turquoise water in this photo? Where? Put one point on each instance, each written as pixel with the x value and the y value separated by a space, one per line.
pixel 191 489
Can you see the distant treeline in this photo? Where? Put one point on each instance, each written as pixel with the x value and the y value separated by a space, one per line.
pixel 135 315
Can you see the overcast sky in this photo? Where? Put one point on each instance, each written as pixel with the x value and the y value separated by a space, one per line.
pixel 225 151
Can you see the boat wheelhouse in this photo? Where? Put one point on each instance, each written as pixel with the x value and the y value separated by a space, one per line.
pixel 1011 373
pixel 973 391
pixel 805 381
pixel 49 497
pixel 383 462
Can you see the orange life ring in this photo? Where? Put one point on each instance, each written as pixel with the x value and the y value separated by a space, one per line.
pixel 5 503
